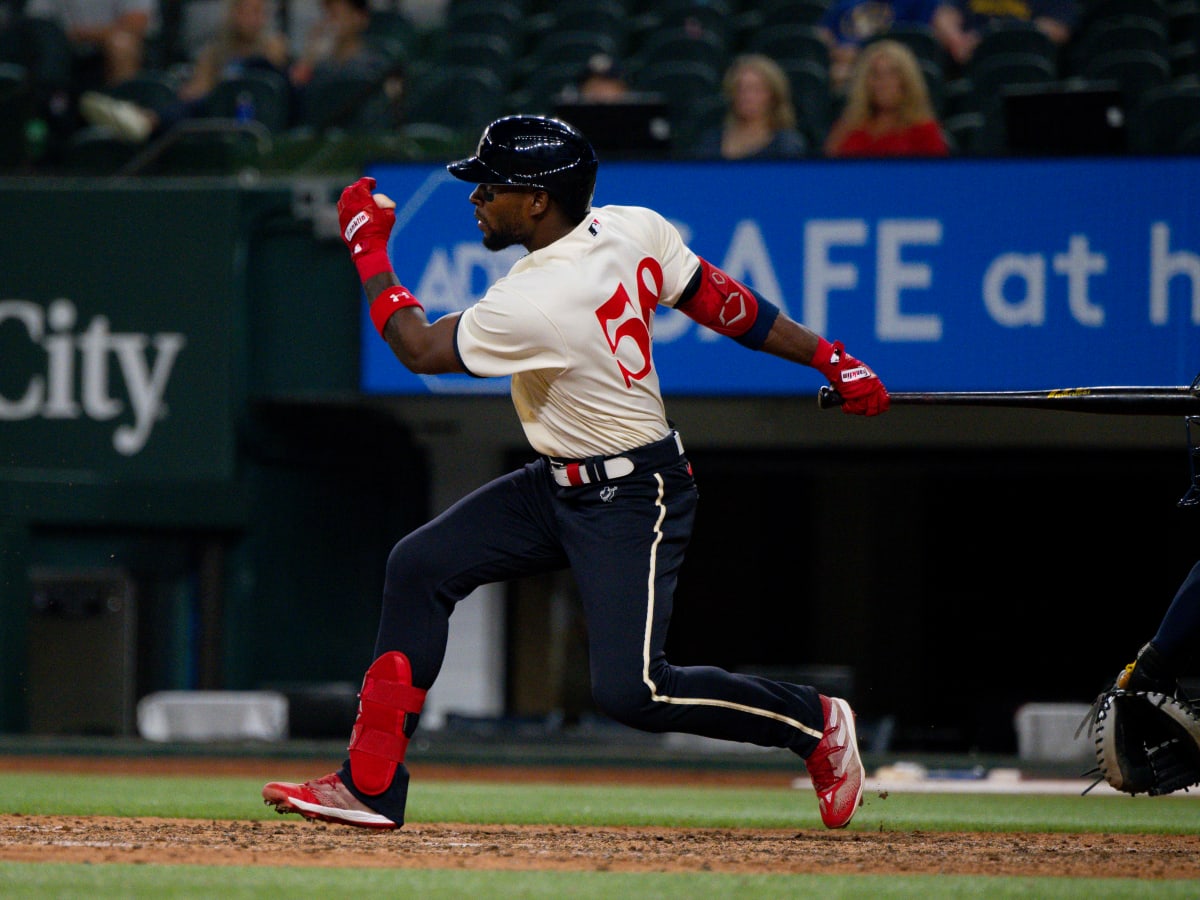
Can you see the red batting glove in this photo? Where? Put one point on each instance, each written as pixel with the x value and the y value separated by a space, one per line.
pixel 365 228
pixel 863 394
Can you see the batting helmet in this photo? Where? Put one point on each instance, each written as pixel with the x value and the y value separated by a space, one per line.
pixel 535 151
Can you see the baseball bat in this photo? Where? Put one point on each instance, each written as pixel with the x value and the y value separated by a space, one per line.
pixel 1140 401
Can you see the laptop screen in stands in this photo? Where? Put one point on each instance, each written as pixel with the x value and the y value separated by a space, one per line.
pixel 631 128
pixel 1065 120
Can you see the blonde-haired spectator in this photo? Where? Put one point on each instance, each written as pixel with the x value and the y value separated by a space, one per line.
pixel 888 111
pixel 760 122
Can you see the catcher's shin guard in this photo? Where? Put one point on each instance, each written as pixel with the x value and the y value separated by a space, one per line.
pixel 380 735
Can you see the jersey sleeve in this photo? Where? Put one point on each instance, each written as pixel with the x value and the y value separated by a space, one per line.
pixel 504 334
pixel 679 262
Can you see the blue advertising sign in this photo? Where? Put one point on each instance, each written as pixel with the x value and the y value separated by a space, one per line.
pixel 942 274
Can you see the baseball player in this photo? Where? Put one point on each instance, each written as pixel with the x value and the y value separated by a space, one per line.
pixel 610 494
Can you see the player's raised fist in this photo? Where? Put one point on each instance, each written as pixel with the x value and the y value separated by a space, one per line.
pixel 365 226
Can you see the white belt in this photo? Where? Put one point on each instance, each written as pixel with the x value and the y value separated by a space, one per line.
pixel 572 474
pixel 598 469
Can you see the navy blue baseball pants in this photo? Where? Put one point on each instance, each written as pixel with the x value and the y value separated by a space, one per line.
pixel 624 539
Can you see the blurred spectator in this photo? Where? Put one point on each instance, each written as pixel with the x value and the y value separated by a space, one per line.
pixel 337 46
pixel 247 39
pixel 888 111
pixel 601 81
pixel 70 46
pixel 959 24
pixel 761 120
pixel 850 24
pixel 338 52
pixel 106 38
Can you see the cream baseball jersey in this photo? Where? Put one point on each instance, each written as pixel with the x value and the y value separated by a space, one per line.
pixel 573 324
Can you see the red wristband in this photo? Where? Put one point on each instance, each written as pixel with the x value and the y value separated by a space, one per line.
pixel 371 264
pixel 393 298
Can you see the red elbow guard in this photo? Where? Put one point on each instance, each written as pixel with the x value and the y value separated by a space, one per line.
pixel 721 303
pixel 393 298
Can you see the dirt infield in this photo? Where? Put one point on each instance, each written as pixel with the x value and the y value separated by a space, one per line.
pixel 292 841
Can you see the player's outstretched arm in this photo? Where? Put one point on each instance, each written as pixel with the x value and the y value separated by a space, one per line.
pixel 718 301
pixel 860 387
pixel 366 220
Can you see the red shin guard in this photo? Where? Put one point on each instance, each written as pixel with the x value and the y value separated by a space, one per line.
pixel 378 741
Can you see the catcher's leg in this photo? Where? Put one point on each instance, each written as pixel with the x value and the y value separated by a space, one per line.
pixel 1178 635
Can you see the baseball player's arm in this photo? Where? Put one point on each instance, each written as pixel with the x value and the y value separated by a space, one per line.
pixel 720 302
pixel 792 341
pixel 424 347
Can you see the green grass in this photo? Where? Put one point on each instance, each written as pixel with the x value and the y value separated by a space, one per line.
pixel 710 807
pixel 480 802
pixel 67 882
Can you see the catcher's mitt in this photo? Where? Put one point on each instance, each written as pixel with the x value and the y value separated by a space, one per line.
pixel 1146 742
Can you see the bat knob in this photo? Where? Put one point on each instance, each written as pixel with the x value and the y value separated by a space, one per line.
pixel 828 398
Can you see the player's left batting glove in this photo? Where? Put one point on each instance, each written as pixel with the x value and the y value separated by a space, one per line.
pixel 365 228
pixel 863 394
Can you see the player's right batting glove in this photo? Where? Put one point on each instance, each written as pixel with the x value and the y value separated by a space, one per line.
pixel 863 394
pixel 365 228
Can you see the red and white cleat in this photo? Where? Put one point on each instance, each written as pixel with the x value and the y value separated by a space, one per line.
pixel 835 767
pixel 325 799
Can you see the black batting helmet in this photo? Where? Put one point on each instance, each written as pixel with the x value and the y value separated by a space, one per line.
pixel 535 151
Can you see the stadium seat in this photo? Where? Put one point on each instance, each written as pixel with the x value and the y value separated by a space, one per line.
pixel 1015 36
pixel 1183 38
pixel 963 130
pixel 499 17
pixel 577 46
pixel 93 150
pixel 204 146
pixel 1135 71
pixel 347 103
pixel 674 43
pixel 989 76
pixel 428 140
pixel 152 89
pixel 812 97
pixel 682 83
pixel 715 16
pixel 459 96
pixel 538 90
pixel 792 12
pixel 607 17
pixel 16 109
pixel 1093 11
pixel 1127 32
pixel 790 41
pixel 394 27
pixel 488 51
pixel 270 94
pixel 1165 120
